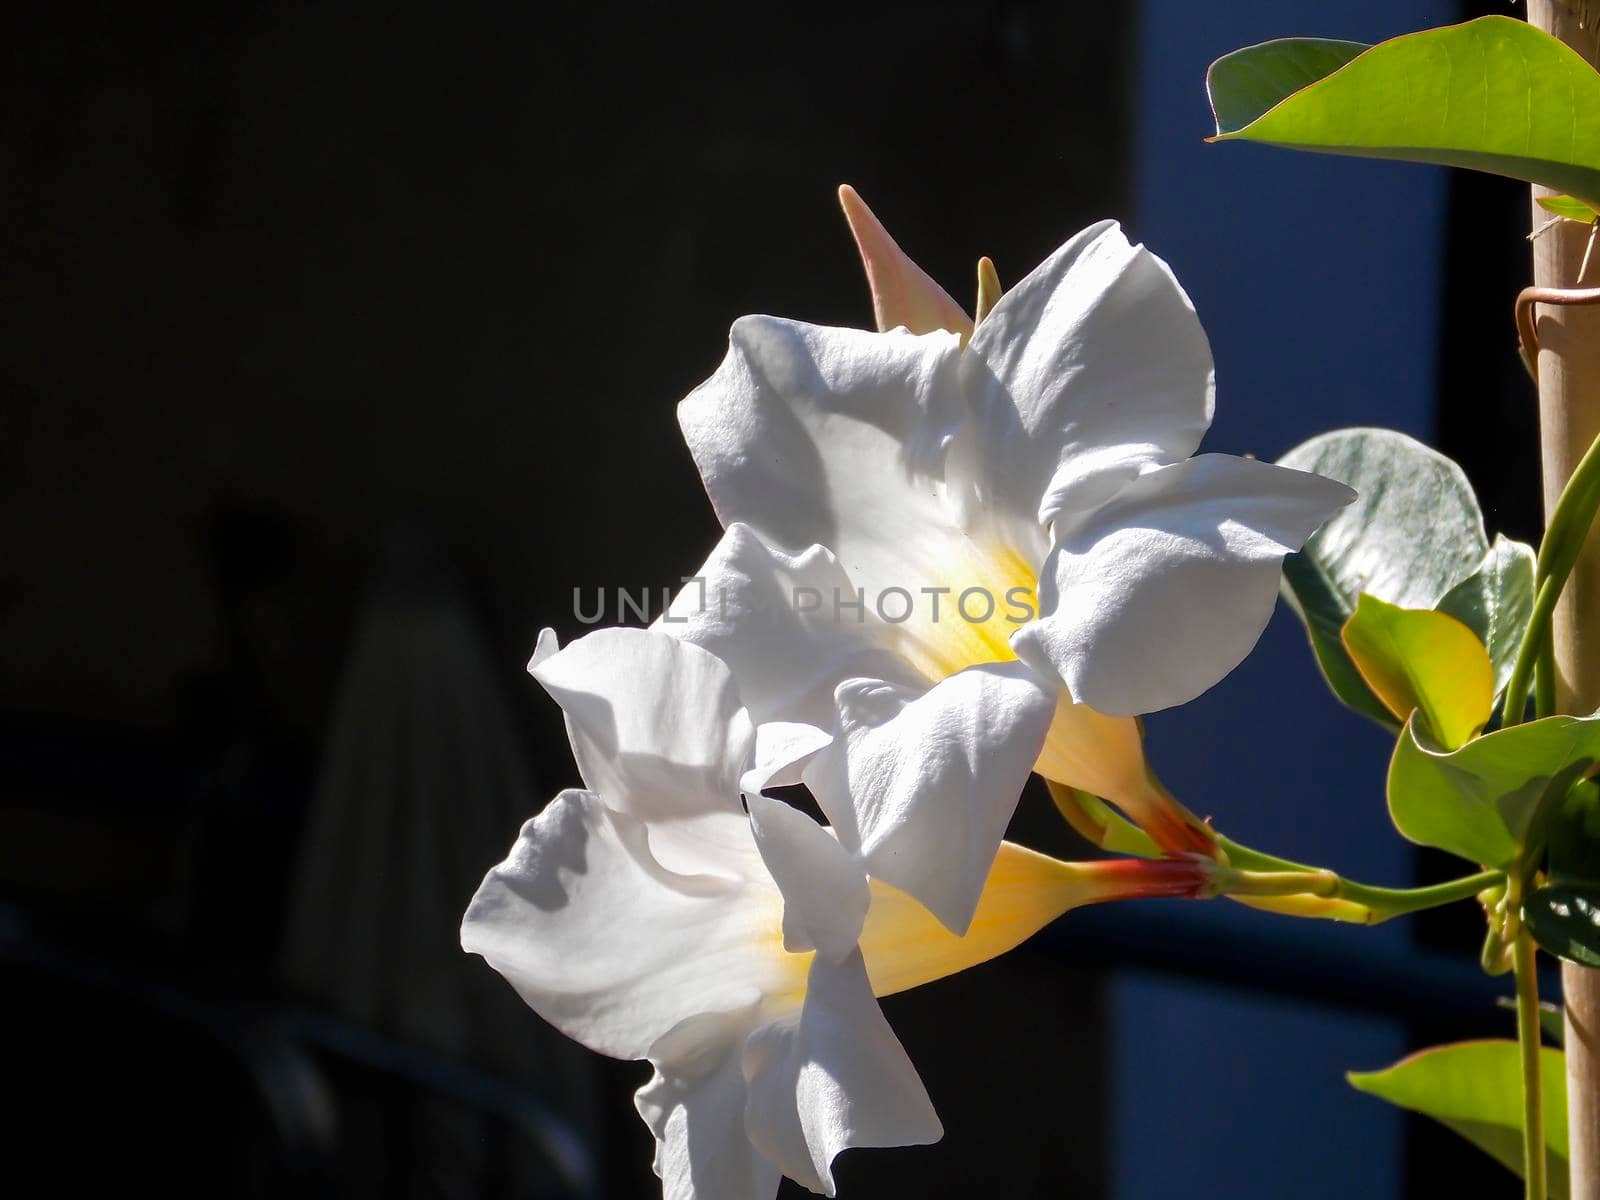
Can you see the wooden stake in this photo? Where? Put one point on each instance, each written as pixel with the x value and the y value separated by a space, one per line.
pixel 1569 419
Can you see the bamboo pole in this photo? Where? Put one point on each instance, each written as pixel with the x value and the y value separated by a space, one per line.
pixel 1569 420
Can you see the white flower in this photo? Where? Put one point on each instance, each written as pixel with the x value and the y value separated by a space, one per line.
pixel 1069 564
pixel 649 917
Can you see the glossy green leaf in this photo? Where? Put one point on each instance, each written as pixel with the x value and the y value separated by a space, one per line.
pixel 1418 660
pixel 1413 534
pixel 1475 1088
pixel 1574 838
pixel 1493 95
pixel 1565 922
pixel 1495 602
pixel 1480 801
pixel 1564 915
pixel 1569 207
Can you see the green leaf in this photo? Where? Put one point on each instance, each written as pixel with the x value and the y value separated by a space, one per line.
pixel 1481 800
pixel 1413 534
pixel 1565 922
pixel 1418 660
pixel 1475 1088
pixel 1564 915
pixel 1495 602
pixel 1569 207
pixel 1552 1019
pixel 1574 838
pixel 1246 83
pixel 1492 95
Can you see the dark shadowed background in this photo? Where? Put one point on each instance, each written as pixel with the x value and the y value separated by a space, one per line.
pixel 341 344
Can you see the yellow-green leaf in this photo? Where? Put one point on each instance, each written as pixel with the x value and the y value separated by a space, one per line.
pixel 1479 802
pixel 1413 535
pixel 1569 207
pixel 1418 659
pixel 1475 1088
pixel 1494 94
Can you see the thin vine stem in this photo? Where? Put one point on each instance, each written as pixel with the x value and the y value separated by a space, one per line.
pixel 1528 327
pixel 1253 869
pixel 1534 638
pixel 1564 537
pixel 1528 1045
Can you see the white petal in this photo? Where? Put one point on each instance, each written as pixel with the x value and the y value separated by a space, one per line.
pixel 547 645
pixel 825 893
pixel 695 1109
pixel 781 622
pixel 832 1078
pixel 658 731
pixel 922 786
pixel 1095 364
pixel 783 748
pixel 1157 595
pixel 833 437
pixel 609 946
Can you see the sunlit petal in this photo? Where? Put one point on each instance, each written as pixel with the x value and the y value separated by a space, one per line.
pixel 833 1077
pixel 694 1105
pixel 658 730
pixel 612 948
pixel 825 894
pixel 783 748
pixel 922 786
pixel 833 437
pixel 1159 593
pixel 1091 368
pixel 784 624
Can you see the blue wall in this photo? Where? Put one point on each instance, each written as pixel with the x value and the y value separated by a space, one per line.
pixel 1318 281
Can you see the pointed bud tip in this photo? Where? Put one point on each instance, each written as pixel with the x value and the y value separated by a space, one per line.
pixel 989 290
pixel 902 292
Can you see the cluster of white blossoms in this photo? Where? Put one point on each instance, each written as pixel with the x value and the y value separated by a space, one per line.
pixel 672 910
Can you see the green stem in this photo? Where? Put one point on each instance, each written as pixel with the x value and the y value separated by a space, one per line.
pixel 1246 859
pixel 1396 902
pixel 1533 641
pixel 1528 1042
pixel 1563 540
pixel 1253 872
pixel 1231 881
pixel 1544 681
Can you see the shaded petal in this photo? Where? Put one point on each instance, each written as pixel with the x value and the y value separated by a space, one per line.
pixel 658 730
pixel 1157 595
pixel 825 894
pixel 902 292
pixel 694 1105
pixel 781 622
pixel 612 948
pixel 1096 753
pixel 831 1078
pixel 833 437
pixel 1087 371
pixel 922 786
